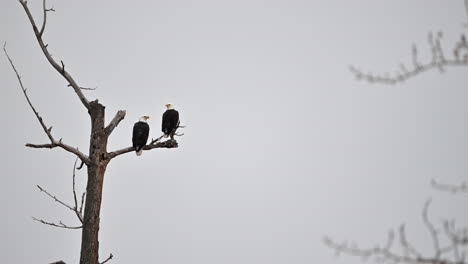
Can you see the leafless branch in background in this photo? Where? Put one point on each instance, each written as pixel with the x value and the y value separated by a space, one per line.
pixel 462 187
pixel 438 61
pixel 407 253
pixel 453 247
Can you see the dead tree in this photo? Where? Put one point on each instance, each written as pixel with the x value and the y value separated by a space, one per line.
pixel 453 248
pixel 96 160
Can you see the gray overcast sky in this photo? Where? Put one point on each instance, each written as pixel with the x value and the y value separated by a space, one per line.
pixel 282 145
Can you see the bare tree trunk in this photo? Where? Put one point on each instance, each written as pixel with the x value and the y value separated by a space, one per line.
pixel 96 170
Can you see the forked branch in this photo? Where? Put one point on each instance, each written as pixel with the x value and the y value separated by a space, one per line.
pixel 45 16
pixel 48 130
pixel 407 253
pixel 57 67
pixel 438 61
pixel 74 209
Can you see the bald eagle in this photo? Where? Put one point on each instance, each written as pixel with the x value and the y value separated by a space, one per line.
pixel 140 134
pixel 170 121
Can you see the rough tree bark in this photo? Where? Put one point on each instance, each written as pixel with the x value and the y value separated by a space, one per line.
pixel 97 159
pixel 96 171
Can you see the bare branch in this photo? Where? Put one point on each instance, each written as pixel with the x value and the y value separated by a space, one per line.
pixel 81 166
pixel 60 224
pixel 154 141
pixel 57 67
pixel 433 232
pixel 82 202
pixel 165 144
pixel 55 198
pixel 75 209
pixel 64 146
pixel 115 121
pixel 463 187
pixel 78 212
pixel 385 254
pixel 54 143
pixel 438 61
pixel 58 262
pixel 459 237
pixel 109 258
pixel 407 247
pixel 45 16
pixel 85 88
pixel 88 89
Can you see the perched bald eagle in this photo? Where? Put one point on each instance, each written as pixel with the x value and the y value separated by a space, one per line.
pixel 170 121
pixel 140 134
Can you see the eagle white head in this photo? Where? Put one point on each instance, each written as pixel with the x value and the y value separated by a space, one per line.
pixel 143 118
pixel 169 106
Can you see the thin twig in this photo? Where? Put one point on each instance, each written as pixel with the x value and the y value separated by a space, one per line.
pixel 82 202
pixel 433 232
pixel 60 224
pixel 45 16
pixel 109 258
pixel 75 209
pixel 81 166
pixel 407 247
pixel 55 198
pixel 88 89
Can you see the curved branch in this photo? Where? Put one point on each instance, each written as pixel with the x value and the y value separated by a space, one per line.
pixel 107 259
pixel 57 67
pixel 165 144
pixel 45 16
pixel 54 143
